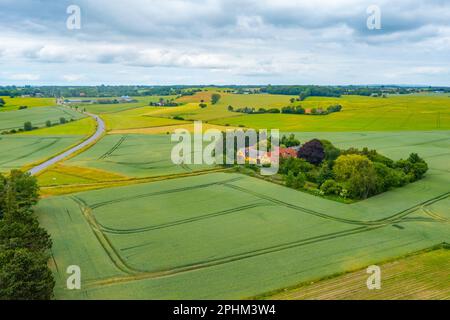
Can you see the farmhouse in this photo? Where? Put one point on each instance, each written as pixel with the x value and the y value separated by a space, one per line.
pixel 126 99
pixel 263 157
pixel 253 155
pixel 288 152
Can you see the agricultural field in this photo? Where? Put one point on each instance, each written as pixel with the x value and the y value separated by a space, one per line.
pixel 190 109
pixel 84 126
pixel 61 175
pixel 396 112
pixel 37 116
pixel 219 110
pixel 417 277
pixel 12 104
pixel 403 112
pixel 133 155
pixel 189 126
pixel 18 151
pixel 136 118
pixel 234 231
pixel 118 107
pixel 143 227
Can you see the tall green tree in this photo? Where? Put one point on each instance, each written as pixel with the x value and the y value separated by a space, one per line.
pixel 357 173
pixel 24 245
pixel 215 97
pixel 24 275
pixel 27 126
pixel 18 193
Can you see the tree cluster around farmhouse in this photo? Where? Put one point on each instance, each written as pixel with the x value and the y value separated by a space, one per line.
pixel 351 174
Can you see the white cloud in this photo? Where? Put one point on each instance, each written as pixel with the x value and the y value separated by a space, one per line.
pixel 72 77
pixel 25 76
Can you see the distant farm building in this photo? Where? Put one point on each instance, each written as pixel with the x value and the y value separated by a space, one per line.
pixel 252 155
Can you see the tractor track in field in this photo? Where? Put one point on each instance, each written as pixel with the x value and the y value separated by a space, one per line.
pixel 114 148
pixel 183 221
pixel 155 193
pixel 434 215
pixel 389 220
pixel 56 140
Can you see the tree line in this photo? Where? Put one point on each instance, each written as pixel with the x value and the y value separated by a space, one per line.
pixel 296 90
pixel 337 91
pixel 28 126
pixel 288 110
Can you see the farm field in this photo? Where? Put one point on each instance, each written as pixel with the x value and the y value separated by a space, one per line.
pixel 146 228
pixel 110 108
pixel 136 118
pixel 411 112
pixel 20 150
pixel 191 111
pixel 233 231
pixel 84 126
pixel 37 117
pixel 61 175
pixel 233 245
pixel 397 112
pixel 12 104
pixel 118 107
pixel 170 129
pixel 133 155
pixel 419 277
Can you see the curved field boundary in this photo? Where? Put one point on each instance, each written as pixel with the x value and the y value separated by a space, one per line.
pixel 102 239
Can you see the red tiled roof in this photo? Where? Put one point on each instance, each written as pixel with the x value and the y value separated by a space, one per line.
pixel 288 152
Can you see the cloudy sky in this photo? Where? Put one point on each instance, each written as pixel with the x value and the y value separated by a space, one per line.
pixel 224 42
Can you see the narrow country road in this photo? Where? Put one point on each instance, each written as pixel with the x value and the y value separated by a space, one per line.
pixel 62 156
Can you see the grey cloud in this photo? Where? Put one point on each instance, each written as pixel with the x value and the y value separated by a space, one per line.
pixel 258 39
pixel 212 18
